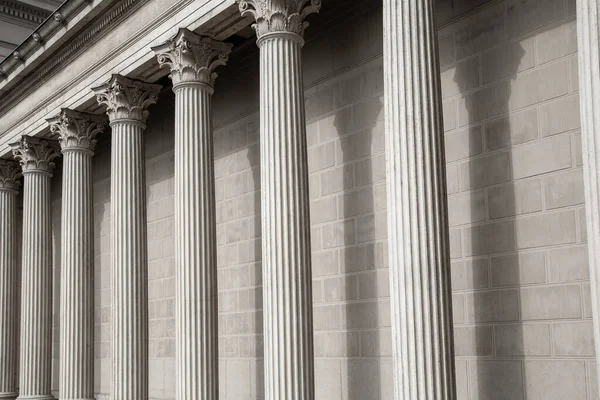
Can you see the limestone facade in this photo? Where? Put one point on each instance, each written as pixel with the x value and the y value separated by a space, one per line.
pixel 515 252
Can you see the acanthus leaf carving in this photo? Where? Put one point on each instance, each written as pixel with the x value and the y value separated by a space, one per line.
pixel 35 154
pixel 192 57
pixel 126 98
pixel 10 172
pixel 279 15
pixel 76 130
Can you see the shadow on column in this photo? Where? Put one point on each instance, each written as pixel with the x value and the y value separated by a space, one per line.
pixel 360 316
pixel 487 181
pixel 56 209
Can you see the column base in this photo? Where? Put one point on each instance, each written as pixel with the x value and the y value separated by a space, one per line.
pixel 8 396
pixel 41 397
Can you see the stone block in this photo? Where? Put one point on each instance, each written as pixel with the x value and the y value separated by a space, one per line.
pixel 541 84
pixel 517 340
pixel 496 237
pixel 449 111
pixel 374 284
pixel 516 128
pixel 473 341
pixel 328 379
pixel 577 149
pixel 455 243
pixel 492 306
pixel 542 156
pixel 515 198
pixel 465 208
pixel 366 200
pixel 376 343
pixel 574 73
pixel 470 274
pixel 325 263
pixel 507 59
pixel 573 339
pixel 489 102
pixel 358 258
pixel 368 171
pixel 326 317
pixel 479 36
pixel 464 76
pixel 321 157
pixel 564 189
pixel 485 171
pixel 360 144
pixel 463 143
pixel 587 300
pixel 446 45
pixel 338 234
pixel 560 116
pixel 551 302
pixel 341 288
pixel 496 380
pixel 364 315
pixel 568 264
pixel 546 229
pixel 557 42
pixel 556 379
pixel 360 378
pixel 523 16
pixel 452 179
pixel 371 227
pixel 458 308
pixel 323 210
pixel 518 269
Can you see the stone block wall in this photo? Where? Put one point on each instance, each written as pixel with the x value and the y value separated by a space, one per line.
pixel 517 223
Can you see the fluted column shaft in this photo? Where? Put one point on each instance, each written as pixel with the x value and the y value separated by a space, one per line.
pixel 8 283
pixel 422 341
pixel 76 132
pixel 588 37
pixel 129 243
pixel 126 101
pixel 36 288
pixel 77 278
pixel 195 246
pixel 287 280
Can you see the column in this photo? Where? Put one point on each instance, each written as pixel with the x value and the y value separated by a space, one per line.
pixel 9 173
pixel 126 102
pixel 192 60
pixel 36 157
pixel 588 38
pixel 419 257
pixel 287 276
pixel 76 132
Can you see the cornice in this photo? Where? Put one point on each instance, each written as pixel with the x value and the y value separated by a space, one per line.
pixel 56 62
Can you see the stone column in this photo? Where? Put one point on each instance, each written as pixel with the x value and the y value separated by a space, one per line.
pixel 9 173
pixel 192 60
pixel 588 37
pixel 423 349
pixel 126 100
pixel 36 157
pixel 76 132
pixel 287 275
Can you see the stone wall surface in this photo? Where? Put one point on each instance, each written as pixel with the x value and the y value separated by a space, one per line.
pixel 517 222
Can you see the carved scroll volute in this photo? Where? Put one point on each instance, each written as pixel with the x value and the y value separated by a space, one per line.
pixel 126 98
pixel 275 16
pixel 192 58
pixel 35 154
pixel 76 130
pixel 10 172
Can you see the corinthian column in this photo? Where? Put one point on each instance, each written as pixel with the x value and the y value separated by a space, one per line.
pixel 126 101
pixel 9 173
pixel 419 254
pixel 36 157
pixel 588 37
pixel 287 276
pixel 76 132
pixel 192 60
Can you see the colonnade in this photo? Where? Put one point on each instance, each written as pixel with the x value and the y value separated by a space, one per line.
pixel 417 221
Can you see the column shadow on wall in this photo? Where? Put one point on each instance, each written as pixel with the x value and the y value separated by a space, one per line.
pixel 361 312
pixel 488 296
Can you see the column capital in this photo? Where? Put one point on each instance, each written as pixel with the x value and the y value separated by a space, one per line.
pixel 10 172
pixel 77 130
pixel 279 16
pixel 35 154
pixel 192 57
pixel 126 98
